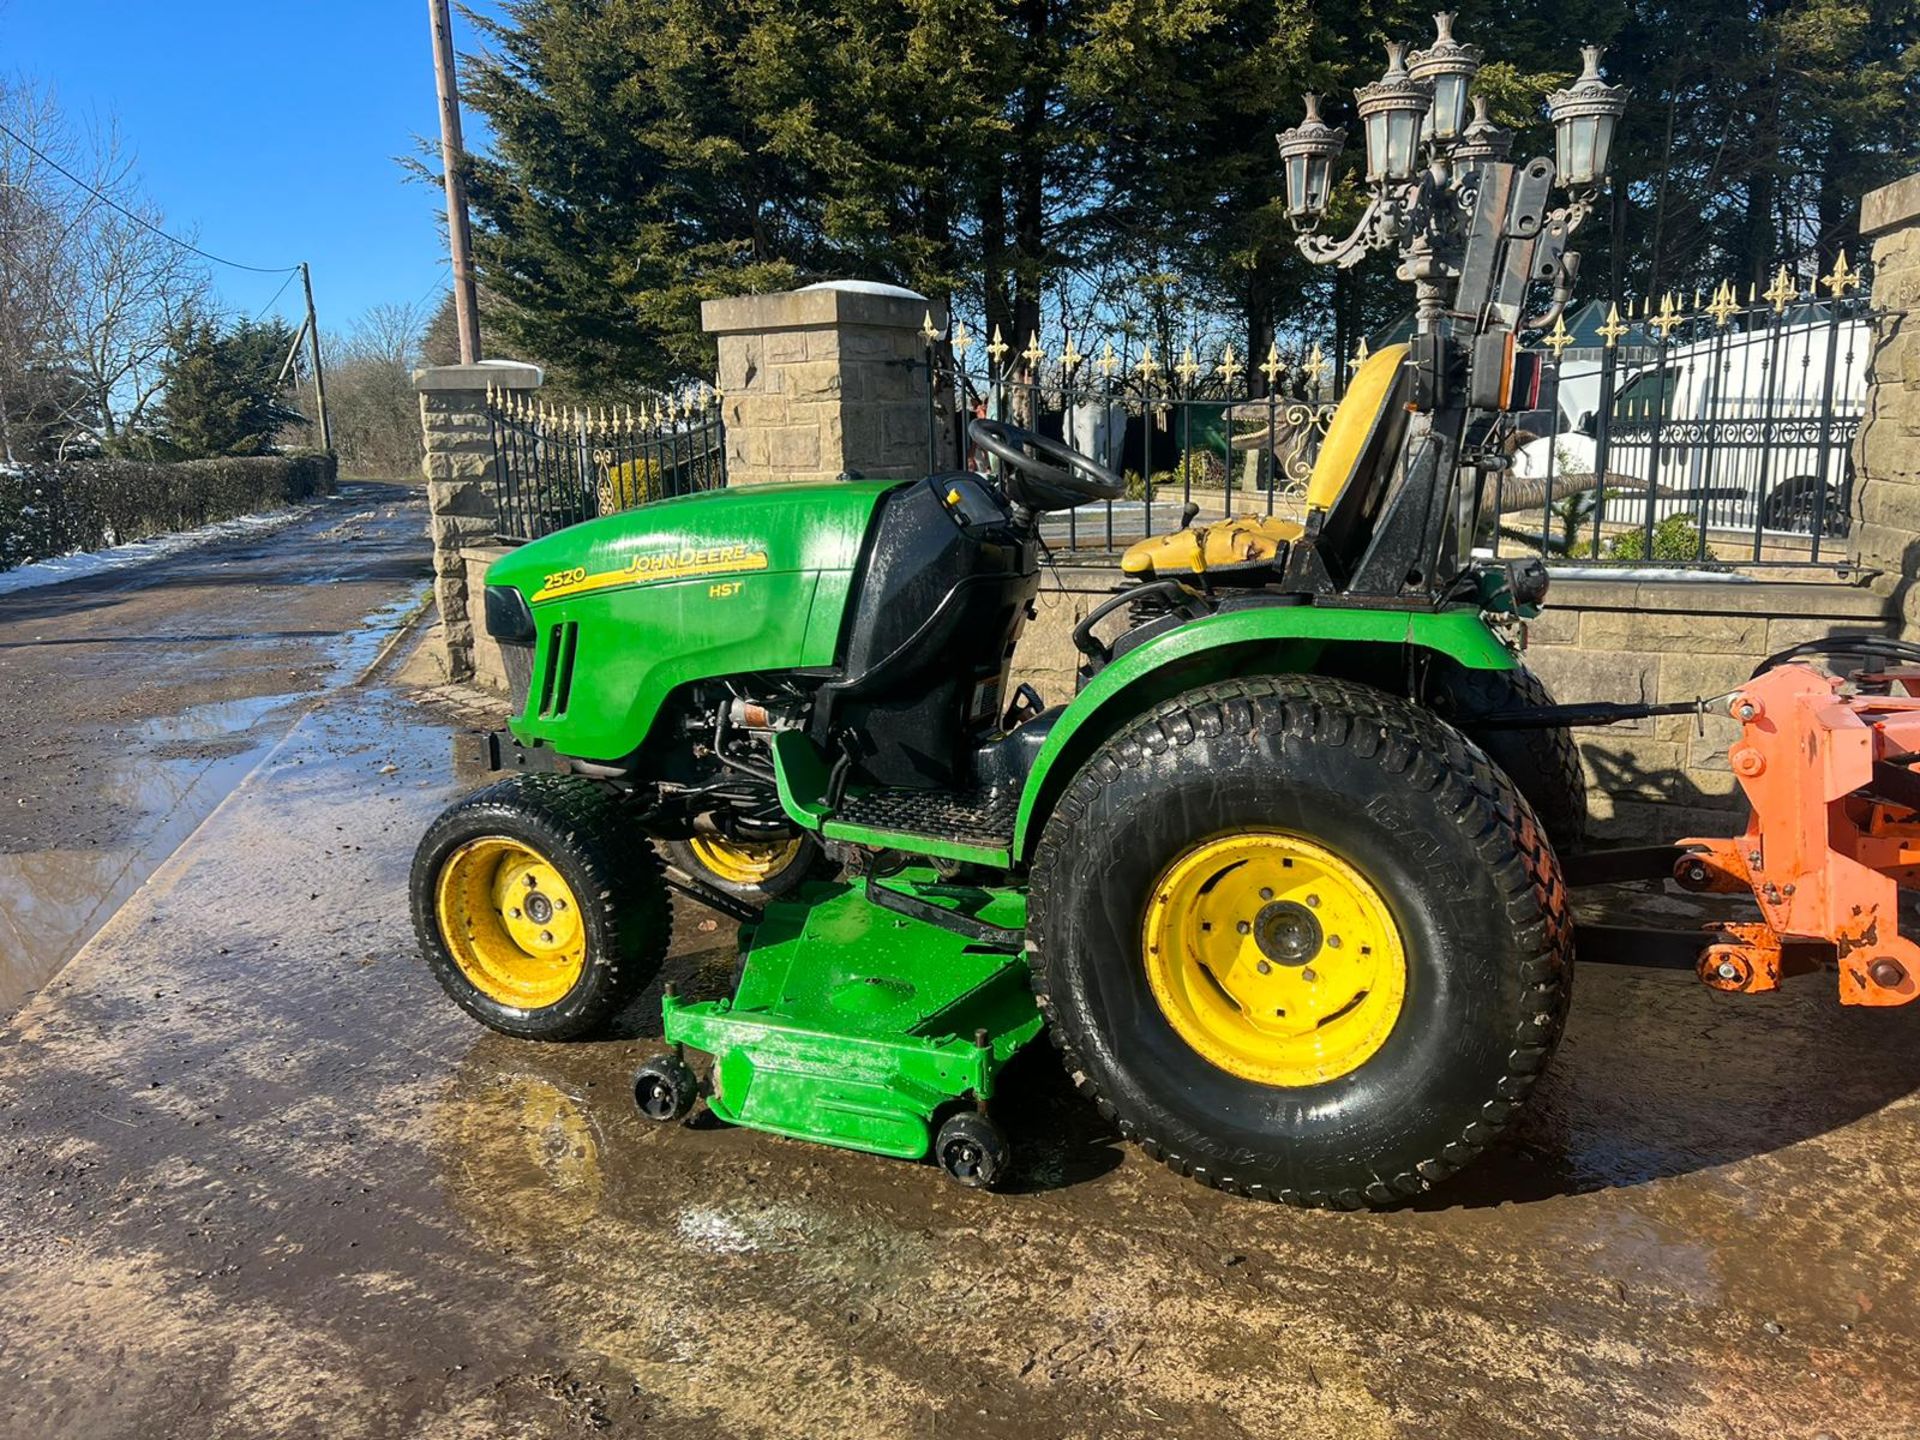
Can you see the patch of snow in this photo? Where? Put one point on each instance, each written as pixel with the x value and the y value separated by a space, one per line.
pixel 1646 572
pixel 864 287
pixel 139 552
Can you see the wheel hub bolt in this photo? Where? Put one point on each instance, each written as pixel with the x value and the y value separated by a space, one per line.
pixel 1313 902
pixel 1728 970
pixel 514 913
pixel 1888 973
pixel 1266 893
pixel 1308 975
pixel 1264 968
pixel 531 882
pixel 546 937
pixel 1333 942
pixel 1245 927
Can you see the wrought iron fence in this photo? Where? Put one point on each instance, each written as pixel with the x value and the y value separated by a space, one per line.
pixel 1183 431
pixel 554 467
pixel 1704 432
pixel 1694 433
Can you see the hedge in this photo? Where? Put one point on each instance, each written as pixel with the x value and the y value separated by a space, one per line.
pixel 48 510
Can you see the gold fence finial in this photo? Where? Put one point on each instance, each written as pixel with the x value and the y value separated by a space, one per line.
pixel 997 347
pixel 1558 338
pixel 1188 367
pixel 1671 316
pixel 1273 367
pixel 1783 292
pixel 1725 305
pixel 1316 367
pixel 1108 361
pixel 1070 358
pixel 962 341
pixel 1615 327
pixel 1033 355
pixel 1146 369
pixel 1842 278
pixel 1228 367
pixel 927 331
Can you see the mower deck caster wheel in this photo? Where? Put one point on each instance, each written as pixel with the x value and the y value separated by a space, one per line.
pixel 972 1150
pixel 665 1088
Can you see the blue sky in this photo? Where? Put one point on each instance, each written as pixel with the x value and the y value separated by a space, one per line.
pixel 270 126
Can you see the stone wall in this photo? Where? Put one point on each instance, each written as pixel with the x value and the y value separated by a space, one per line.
pixel 819 382
pixel 1648 780
pixel 1886 456
pixel 458 466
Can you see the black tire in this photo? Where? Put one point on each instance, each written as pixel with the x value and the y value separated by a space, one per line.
pixel 971 1149
pixel 1544 764
pixel 577 827
pixel 664 1088
pixel 1455 852
pixel 1792 506
pixel 808 860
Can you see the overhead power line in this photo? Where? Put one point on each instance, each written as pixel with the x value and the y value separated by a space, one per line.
pixel 140 220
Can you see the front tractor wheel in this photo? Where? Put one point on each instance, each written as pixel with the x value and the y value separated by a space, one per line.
pixel 542 912
pixel 1302 940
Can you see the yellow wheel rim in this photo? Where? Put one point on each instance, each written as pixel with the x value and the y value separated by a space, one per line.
pixel 512 924
pixel 741 863
pixel 1274 958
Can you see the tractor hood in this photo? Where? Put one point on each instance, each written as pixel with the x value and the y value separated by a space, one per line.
pixel 756 529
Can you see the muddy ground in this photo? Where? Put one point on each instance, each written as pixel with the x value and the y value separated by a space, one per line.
pixel 258 1178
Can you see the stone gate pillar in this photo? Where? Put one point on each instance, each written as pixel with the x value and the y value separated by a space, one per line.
pixel 459 473
pixel 825 380
pixel 1885 533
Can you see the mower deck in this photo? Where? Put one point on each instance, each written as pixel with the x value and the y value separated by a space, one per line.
pixel 857 1025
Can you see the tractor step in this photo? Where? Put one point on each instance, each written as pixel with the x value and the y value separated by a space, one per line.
pixel 967 825
pixel 858 1025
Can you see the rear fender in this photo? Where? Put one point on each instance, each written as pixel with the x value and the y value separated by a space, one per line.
pixel 1276 640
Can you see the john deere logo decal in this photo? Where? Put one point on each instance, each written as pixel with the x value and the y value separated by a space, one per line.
pixel 682 564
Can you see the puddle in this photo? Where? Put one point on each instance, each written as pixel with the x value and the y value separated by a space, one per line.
pixel 174 769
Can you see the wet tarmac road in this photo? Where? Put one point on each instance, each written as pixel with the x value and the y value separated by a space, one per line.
pixel 258 1178
pixel 137 698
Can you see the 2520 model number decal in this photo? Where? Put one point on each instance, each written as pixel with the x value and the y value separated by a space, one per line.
pixel 682 564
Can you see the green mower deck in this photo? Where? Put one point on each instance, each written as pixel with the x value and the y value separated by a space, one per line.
pixel 856 1025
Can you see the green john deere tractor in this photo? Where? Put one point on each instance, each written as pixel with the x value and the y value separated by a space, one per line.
pixel 1284 896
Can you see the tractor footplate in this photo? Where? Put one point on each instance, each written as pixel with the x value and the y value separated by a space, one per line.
pixel 857 1025
pixel 982 819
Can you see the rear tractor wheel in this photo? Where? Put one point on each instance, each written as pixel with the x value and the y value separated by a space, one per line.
pixel 1301 940
pixel 541 910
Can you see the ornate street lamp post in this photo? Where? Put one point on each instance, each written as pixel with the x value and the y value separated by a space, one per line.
pixel 1421 105
pixel 1476 233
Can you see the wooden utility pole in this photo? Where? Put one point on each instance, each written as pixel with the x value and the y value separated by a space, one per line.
pixel 466 305
pixel 319 373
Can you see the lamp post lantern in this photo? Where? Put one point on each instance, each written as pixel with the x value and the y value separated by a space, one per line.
pixel 1584 116
pixel 1307 152
pixel 1449 67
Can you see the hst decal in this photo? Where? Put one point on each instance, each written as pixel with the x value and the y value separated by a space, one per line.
pixel 685 564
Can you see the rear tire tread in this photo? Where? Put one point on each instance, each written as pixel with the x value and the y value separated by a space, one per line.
pixel 1417 749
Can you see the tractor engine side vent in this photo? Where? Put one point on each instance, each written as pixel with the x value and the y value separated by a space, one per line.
pixel 556 683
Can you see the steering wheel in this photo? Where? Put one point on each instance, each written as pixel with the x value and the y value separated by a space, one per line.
pixel 1053 476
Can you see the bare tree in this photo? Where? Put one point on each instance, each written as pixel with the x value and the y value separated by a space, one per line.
pixel 89 288
pixel 370 396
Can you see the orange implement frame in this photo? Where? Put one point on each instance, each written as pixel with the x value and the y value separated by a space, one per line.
pixel 1835 833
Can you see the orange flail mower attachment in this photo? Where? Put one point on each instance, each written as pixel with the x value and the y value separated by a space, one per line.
pixel 1835 832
